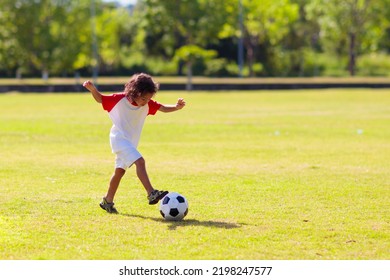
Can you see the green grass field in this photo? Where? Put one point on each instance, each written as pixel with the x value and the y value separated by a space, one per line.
pixel 268 175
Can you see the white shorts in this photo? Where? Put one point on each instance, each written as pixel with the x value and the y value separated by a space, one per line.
pixel 125 158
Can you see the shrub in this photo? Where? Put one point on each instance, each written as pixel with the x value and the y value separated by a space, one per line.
pixel 373 64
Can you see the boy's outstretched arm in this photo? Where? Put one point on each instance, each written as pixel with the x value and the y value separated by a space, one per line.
pixel 95 93
pixel 171 108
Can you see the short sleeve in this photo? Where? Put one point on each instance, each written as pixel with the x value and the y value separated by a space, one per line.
pixel 109 101
pixel 153 107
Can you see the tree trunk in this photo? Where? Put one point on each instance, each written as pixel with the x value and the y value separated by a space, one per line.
pixel 45 75
pixel 250 60
pixel 18 73
pixel 189 76
pixel 352 54
pixel 250 44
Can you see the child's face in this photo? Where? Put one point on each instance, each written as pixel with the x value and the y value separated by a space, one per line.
pixel 143 99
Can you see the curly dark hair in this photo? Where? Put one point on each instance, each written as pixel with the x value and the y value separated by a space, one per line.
pixel 141 84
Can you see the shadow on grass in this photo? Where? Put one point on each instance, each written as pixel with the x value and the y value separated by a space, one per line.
pixel 172 225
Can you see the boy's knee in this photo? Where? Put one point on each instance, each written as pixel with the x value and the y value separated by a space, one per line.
pixel 140 162
pixel 120 172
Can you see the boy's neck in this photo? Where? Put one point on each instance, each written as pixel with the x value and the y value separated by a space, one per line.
pixel 131 100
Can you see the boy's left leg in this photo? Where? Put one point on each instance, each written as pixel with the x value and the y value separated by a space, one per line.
pixel 114 183
pixel 108 201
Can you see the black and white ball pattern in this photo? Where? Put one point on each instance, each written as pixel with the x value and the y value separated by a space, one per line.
pixel 174 207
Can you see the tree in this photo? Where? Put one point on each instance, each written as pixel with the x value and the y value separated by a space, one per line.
pixel 351 26
pixel 264 22
pixel 55 36
pixel 189 54
pixel 35 24
pixel 12 56
pixel 173 24
pixel 44 35
pixel 111 30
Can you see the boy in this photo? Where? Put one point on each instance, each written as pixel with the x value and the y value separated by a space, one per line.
pixel 128 111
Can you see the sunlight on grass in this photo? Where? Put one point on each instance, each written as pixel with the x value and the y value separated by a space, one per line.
pixel 268 175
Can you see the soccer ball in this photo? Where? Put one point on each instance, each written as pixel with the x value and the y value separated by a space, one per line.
pixel 174 207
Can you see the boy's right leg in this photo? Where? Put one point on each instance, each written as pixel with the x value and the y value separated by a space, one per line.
pixel 153 195
pixel 107 202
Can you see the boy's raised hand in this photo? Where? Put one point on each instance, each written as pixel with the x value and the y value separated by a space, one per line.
pixel 89 85
pixel 180 103
pixel 95 93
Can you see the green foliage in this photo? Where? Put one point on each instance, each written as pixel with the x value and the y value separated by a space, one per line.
pixel 192 53
pixel 266 22
pixel 313 65
pixel 333 65
pixel 340 19
pixel 55 37
pixel 42 34
pixel 374 64
pixel 187 21
pixel 344 26
pixel 193 56
pixel 217 68
pixel 161 67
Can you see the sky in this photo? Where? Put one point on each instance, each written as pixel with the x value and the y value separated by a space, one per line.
pixel 123 2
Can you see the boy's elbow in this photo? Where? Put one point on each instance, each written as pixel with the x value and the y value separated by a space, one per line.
pixel 97 96
pixel 98 99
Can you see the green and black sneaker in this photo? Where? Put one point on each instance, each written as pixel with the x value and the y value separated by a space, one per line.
pixel 155 196
pixel 109 207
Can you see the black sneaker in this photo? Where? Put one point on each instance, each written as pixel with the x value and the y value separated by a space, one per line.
pixel 109 207
pixel 156 195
